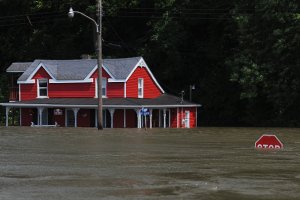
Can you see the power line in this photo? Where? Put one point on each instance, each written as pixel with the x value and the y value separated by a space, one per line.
pixel 28 14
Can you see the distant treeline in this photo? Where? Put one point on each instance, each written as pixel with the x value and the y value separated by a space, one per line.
pixel 243 56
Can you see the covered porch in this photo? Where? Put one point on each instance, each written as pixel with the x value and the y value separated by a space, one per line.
pixel 164 112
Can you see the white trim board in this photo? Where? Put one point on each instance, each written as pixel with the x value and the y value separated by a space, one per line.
pixel 37 69
pixel 94 106
pixel 142 63
pixel 96 68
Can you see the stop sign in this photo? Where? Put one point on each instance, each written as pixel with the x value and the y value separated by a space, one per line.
pixel 268 142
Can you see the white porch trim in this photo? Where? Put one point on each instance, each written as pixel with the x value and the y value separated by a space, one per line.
pixel 111 111
pixel 150 110
pixel 124 122
pixel 165 116
pixel 6 115
pixel 75 110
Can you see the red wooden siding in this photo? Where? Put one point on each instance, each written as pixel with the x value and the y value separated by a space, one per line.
pixel 104 74
pixel 26 117
pixel 192 117
pixel 68 90
pixel 119 118
pixel 83 118
pixel 150 88
pixel 115 90
pixel 41 73
pixel 60 119
pixel 131 119
pixel 28 91
pixel 173 118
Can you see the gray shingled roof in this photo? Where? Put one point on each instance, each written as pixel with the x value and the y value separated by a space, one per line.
pixel 79 69
pixel 121 68
pixel 18 67
pixel 163 100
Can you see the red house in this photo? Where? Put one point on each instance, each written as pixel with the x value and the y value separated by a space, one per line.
pixel 64 93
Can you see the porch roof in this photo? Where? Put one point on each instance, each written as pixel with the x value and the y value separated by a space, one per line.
pixel 163 101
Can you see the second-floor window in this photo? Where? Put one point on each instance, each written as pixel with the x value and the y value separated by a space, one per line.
pixel 104 87
pixel 140 88
pixel 42 88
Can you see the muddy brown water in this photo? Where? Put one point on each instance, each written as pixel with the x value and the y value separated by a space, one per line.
pixel 204 163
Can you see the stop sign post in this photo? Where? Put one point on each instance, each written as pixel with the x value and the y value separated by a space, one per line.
pixel 268 142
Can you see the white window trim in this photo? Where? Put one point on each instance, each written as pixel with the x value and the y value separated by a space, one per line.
pixel 38 88
pixel 125 95
pixel 96 87
pixel 141 87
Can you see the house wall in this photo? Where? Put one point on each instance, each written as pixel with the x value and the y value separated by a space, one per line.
pixel 28 92
pixel 114 90
pixel 131 119
pixel 152 90
pixel 155 118
pixel 119 118
pixel 26 116
pixel 193 118
pixel 60 119
pixel 41 73
pixel 83 118
pixel 70 90
pixel 173 120
pixel 87 90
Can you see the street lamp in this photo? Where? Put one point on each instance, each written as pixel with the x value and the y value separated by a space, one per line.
pixel 98 25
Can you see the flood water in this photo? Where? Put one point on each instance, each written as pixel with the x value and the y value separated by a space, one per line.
pixel 204 163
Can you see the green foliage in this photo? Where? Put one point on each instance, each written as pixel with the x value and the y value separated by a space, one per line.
pixel 242 55
pixel 267 60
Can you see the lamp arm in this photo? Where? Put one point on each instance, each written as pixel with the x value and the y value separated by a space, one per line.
pixel 97 26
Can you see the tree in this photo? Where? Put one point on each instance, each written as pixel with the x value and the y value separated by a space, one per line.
pixel 266 63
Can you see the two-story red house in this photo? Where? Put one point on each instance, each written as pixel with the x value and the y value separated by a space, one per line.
pixel 64 92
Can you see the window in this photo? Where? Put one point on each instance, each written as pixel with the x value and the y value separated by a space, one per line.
pixel 42 88
pixel 104 87
pixel 140 88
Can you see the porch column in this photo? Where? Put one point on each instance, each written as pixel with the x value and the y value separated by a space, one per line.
pixel 124 118
pixel 40 115
pixel 159 118
pixel 6 115
pixel 139 119
pixel 111 111
pixel 165 116
pixel 75 110
pixel 20 116
pixel 150 110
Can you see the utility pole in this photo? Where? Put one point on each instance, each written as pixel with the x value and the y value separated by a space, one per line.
pixel 99 61
pixel 98 26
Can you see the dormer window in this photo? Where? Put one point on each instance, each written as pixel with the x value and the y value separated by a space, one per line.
pixel 140 88
pixel 104 87
pixel 42 88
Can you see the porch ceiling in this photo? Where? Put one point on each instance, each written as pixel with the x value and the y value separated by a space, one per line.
pixel 165 100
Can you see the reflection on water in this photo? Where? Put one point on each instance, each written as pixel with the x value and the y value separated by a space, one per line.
pixel 204 163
